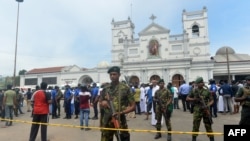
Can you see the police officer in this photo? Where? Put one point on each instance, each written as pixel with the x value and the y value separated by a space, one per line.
pixel 213 90
pixel 243 96
pixel 67 102
pixel 163 98
pixel 119 95
pixel 202 100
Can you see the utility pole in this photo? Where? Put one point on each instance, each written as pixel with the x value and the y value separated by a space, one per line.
pixel 14 75
pixel 228 69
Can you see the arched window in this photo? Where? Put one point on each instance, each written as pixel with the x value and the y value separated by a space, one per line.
pixel 195 31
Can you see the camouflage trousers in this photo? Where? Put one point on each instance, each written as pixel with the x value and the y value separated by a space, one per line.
pixel 245 115
pixel 108 135
pixel 158 117
pixel 197 116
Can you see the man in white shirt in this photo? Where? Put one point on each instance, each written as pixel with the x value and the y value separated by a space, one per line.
pixel 176 97
pixel 143 99
pixel 155 88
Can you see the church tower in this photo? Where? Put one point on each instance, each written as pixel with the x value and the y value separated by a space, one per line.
pixel 122 33
pixel 195 25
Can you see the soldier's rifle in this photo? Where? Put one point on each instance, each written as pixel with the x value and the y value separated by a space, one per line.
pixel 160 103
pixel 205 109
pixel 115 119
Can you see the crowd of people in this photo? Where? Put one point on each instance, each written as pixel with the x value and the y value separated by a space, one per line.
pixel 117 101
pixel 11 103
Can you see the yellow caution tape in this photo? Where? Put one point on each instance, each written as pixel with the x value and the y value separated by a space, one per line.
pixel 102 128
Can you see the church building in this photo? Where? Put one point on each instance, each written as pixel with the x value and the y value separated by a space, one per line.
pixel 155 54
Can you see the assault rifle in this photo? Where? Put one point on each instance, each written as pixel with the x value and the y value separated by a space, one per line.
pixel 206 110
pixel 114 119
pixel 159 101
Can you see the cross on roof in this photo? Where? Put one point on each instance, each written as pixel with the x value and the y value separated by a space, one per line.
pixel 153 17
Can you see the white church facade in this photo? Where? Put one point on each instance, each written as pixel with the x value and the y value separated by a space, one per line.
pixel 154 54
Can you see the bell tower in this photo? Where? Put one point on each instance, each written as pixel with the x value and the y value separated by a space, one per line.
pixel 195 25
pixel 122 33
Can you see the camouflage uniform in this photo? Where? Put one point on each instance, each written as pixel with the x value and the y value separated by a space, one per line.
pixel 245 112
pixel 161 97
pixel 123 92
pixel 58 98
pixel 199 112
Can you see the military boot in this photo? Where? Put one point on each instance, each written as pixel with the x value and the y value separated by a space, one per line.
pixel 211 138
pixel 158 135
pixel 169 138
pixel 193 138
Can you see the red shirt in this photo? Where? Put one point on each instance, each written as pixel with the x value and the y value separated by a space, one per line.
pixel 41 106
pixel 84 100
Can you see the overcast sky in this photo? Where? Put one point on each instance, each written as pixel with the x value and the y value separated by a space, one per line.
pixel 78 32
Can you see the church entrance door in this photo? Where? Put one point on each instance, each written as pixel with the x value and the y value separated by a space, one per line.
pixel 177 79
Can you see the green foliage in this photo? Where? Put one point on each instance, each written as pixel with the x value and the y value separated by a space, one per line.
pixel 22 72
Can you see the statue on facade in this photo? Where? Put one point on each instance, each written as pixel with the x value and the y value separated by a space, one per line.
pixel 154 47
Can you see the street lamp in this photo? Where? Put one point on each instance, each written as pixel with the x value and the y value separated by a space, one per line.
pixel 14 75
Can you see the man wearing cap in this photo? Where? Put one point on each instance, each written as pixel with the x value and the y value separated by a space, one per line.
pixel 120 95
pixel 94 94
pixel 67 102
pixel 54 102
pixel 243 96
pixel 163 98
pixel 198 96
pixel 213 90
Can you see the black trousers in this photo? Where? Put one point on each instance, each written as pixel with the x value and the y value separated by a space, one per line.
pixel 44 118
pixel 54 108
pixel 185 103
pixel 67 107
pixel 2 111
pixel 77 107
pixel 138 107
pixel 95 109
pixel 213 107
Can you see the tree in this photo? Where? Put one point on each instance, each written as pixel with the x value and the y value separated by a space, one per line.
pixel 22 72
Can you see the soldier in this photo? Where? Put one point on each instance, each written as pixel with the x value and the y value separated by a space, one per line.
pixel 202 100
pixel 120 95
pixel 243 96
pixel 163 98
pixel 59 96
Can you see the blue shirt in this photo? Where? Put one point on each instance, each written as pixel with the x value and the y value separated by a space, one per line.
pixel 77 91
pixel 149 95
pixel 53 94
pixel 226 89
pixel 184 89
pixel 213 88
pixel 67 94
pixel 94 91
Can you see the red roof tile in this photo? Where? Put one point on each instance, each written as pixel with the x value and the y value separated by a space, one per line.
pixel 45 70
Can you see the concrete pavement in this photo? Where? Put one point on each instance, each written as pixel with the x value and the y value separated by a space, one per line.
pixel 181 121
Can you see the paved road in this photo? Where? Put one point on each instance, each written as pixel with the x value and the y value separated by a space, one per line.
pixel 181 121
